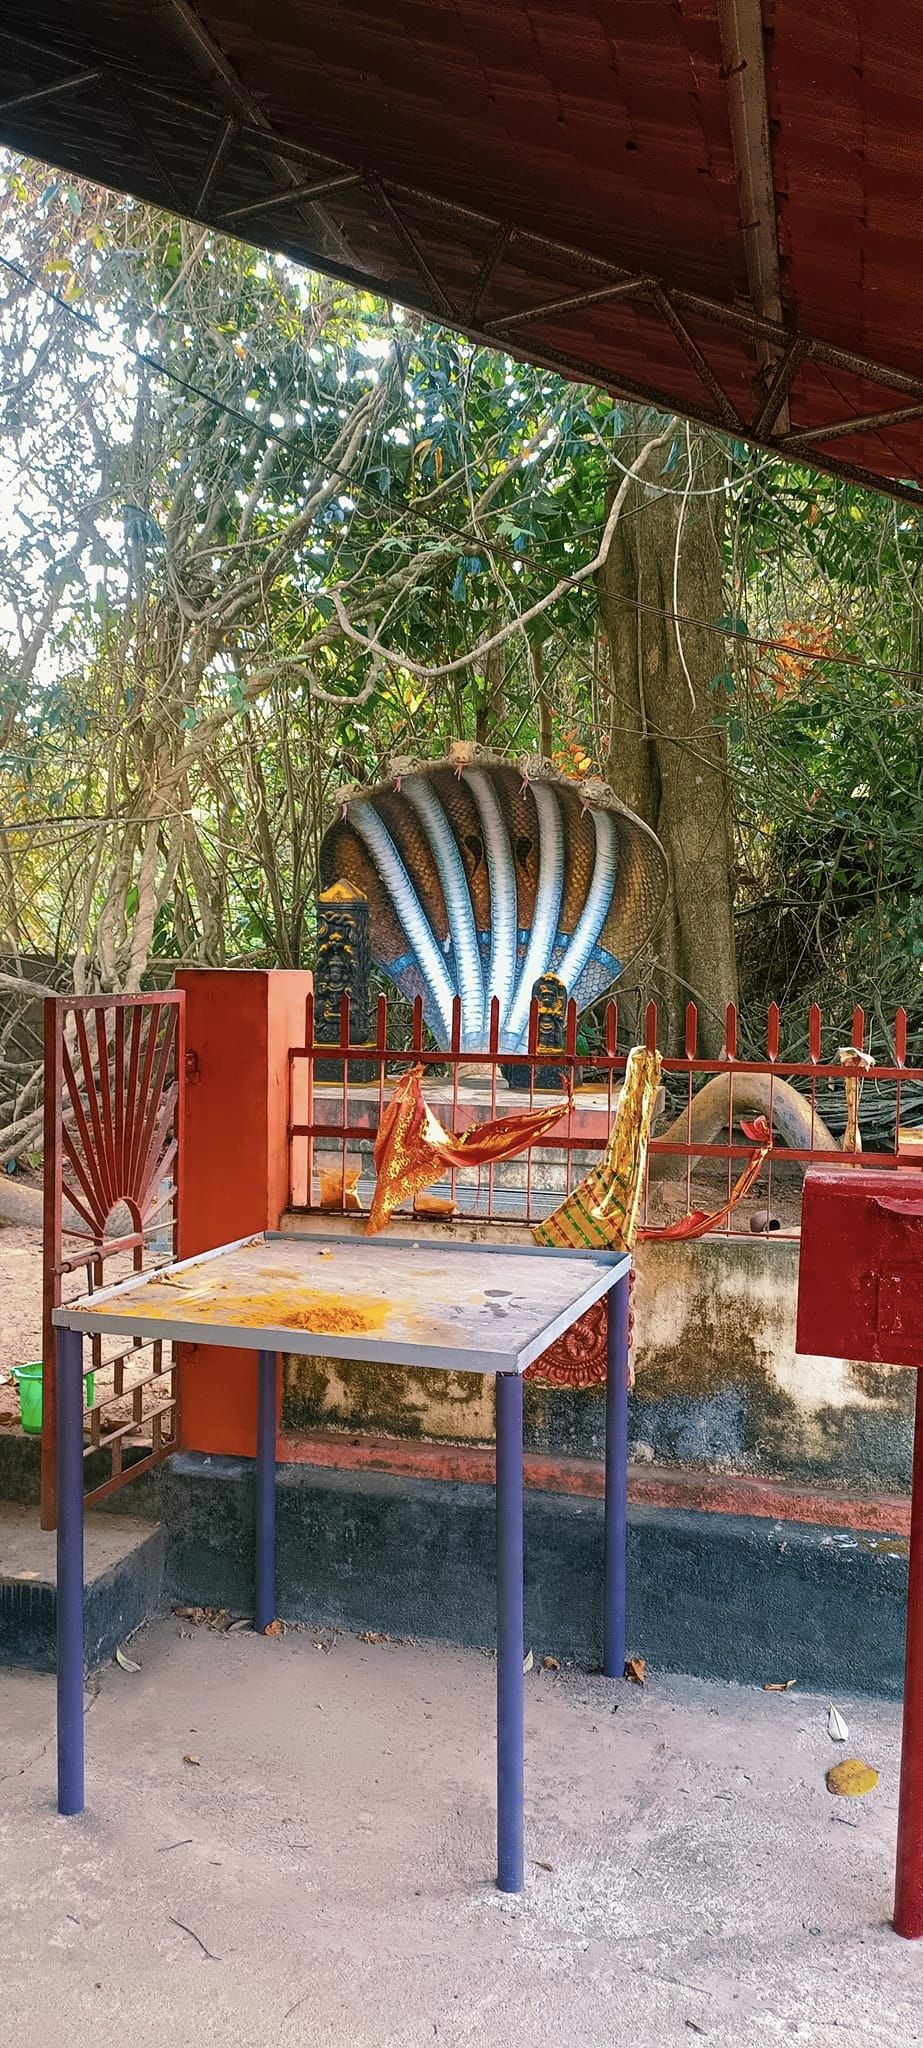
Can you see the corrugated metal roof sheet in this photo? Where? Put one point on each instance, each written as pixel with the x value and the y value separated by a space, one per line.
pixel 499 165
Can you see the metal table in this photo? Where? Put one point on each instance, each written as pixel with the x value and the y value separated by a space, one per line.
pixel 459 1308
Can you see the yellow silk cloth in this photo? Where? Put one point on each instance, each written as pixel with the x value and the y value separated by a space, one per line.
pixel 851 1056
pixel 602 1213
pixel 412 1146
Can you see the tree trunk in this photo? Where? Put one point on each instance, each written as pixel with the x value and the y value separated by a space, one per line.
pixel 667 754
pixel 489 703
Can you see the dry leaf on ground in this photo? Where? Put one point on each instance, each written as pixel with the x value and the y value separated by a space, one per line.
pixel 550 1664
pixel 779 1684
pixel 204 1617
pixel 126 1663
pixel 851 1778
pixel 836 1726
pixel 190 1759
pixel 274 1628
pixel 527 1661
pixel 635 1668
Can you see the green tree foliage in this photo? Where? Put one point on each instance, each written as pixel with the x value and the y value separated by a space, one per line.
pixel 259 531
pixel 823 704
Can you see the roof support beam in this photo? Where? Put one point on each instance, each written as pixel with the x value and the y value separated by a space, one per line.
pixel 741 27
pixel 210 58
pixel 500 242
pixel 630 288
pixel 775 403
pixel 411 248
pixel 49 92
pixel 314 190
pixel 216 156
pixel 727 411
pixel 862 423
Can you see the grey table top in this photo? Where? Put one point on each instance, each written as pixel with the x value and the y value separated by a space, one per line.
pixel 459 1307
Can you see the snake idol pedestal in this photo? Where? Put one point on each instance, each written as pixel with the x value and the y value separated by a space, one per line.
pixel 481 879
pixel 342 969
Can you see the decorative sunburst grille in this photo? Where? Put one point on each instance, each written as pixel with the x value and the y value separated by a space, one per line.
pixel 113 1124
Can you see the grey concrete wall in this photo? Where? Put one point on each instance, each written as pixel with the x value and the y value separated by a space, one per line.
pixel 724 1596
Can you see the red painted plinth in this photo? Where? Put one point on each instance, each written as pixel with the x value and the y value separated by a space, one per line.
pixel 239 1027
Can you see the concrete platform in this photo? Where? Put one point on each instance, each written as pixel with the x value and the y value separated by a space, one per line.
pixel 716 1594
pixel 322 1875
pixel 123 1565
pixel 719 1596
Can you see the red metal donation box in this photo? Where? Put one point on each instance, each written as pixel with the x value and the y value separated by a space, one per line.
pixel 860 1273
pixel 860 1295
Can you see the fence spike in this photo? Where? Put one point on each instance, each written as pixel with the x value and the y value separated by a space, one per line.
pixel 692 1030
pixel 814 1025
pixel 773 1031
pixel 650 1027
pixel 730 1031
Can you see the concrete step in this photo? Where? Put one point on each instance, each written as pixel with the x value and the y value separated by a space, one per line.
pixel 123 1575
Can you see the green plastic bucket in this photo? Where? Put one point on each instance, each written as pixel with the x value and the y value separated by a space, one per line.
pixel 28 1380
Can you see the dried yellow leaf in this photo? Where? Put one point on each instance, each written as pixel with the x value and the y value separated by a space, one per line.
pixel 851 1778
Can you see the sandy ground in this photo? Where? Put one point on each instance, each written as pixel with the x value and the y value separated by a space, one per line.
pixel 21 1318
pixel 322 1873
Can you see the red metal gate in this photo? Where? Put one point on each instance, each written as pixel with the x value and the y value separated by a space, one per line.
pixel 114 1073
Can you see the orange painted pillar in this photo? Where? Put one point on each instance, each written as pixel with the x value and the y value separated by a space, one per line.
pixel 235 1172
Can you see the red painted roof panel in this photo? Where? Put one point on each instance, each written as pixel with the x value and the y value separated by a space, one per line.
pixel 498 156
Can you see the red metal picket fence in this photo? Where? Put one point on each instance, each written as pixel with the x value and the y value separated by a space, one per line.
pixel 692 1164
pixel 114 1070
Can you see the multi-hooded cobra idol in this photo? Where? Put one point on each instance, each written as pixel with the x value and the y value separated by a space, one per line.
pixel 481 877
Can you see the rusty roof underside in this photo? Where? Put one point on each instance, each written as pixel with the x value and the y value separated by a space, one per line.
pixel 711 205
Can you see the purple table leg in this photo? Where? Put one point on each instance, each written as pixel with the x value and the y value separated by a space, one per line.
pixel 510 1628
pixel 69 1401
pixel 265 1603
pixel 616 1482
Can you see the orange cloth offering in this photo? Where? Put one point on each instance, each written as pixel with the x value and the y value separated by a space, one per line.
pixel 339 1189
pixel 700 1221
pixel 412 1146
pixel 440 1206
